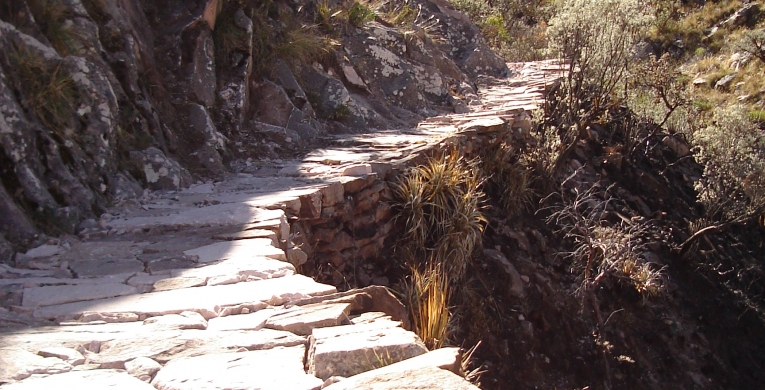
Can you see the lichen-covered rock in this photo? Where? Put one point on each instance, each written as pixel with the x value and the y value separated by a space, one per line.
pixel 159 171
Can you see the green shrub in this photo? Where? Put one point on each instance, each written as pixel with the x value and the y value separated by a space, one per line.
pixel 757 116
pixel 359 14
pixel 732 150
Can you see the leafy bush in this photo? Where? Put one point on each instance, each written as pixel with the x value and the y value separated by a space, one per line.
pixel 732 150
pixel 753 42
pixel 595 38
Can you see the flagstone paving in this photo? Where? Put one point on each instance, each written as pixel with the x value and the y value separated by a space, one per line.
pixel 199 289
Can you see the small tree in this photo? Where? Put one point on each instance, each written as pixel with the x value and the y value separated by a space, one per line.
pixel 596 38
pixel 753 42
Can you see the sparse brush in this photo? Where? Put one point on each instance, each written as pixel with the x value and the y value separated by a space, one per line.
pixel 601 250
pixel 51 16
pixel 229 37
pixel 427 296
pixel 50 93
pixel 304 44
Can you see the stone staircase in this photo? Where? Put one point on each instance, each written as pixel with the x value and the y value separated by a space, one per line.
pixel 199 289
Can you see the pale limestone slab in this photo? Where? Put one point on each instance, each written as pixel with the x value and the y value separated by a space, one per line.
pixel 44 251
pixel 53 295
pixel 68 355
pixel 418 378
pixel 304 319
pixel 278 368
pixel 243 249
pixel 248 234
pixel 111 345
pixel 168 284
pixel 183 321
pixel 83 380
pixel 17 364
pixel 352 349
pixel 251 321
pixel 144 282
pixel 251 267
pixel 142 368
pixel 205 300
pixel 220 214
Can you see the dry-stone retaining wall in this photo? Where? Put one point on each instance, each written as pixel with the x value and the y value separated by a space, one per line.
pixel 199 289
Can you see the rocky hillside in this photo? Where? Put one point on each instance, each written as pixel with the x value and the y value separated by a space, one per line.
pixel 103 98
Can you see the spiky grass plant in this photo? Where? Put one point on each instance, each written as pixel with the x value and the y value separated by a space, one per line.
pixel 507 179
pixel 49 92
pixel 427 296
pixel 51 16
pixel 441 205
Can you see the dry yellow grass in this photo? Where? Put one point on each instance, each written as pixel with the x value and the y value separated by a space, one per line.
pixel 428 297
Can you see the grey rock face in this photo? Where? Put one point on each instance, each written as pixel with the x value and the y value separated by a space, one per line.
pixel 159 171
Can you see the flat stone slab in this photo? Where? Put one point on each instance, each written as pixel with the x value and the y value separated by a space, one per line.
pixel 143 368
pixel 183 321
pixel 168 345
pixel 248 234
pixel 304 319
pixel 352 349
pixel 251 321
pixel 83 380
pixel 168 284
pixel 68 355
pixel 207 300
pixel 243 249
pixel 277 369
pixel 220 214
pixel 100 258
pixel 53 295
pixel 419 378
pixel 17 364
pixel 249 268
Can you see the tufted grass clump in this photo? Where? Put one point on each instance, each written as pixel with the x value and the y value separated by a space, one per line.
pixel 440 202
pixel 51 16
pixel 427 296
pixel 49 92
pixel 507 179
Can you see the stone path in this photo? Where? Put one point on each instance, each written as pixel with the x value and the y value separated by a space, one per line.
pixel 199 289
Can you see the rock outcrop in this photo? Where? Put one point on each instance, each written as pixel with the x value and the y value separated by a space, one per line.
pixel 101 99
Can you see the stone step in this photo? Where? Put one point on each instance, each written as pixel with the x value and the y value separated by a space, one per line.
pixel 352 349
pixel 208 301
pixel 84 380
pixel 277 368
